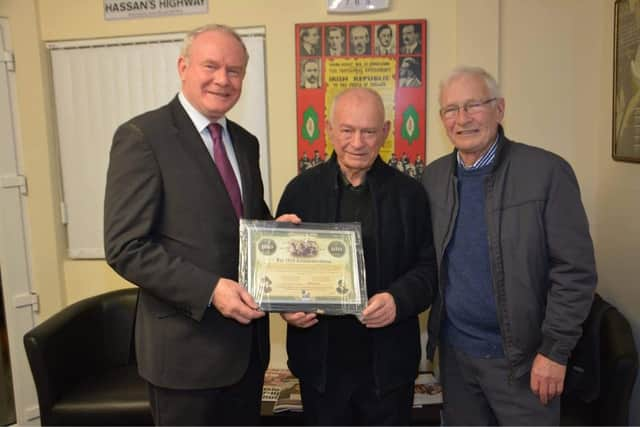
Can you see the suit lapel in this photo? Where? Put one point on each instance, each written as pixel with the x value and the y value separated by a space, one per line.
pixel 191 140
pixel 242 156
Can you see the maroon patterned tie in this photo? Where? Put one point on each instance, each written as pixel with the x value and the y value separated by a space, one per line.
pixel 225 169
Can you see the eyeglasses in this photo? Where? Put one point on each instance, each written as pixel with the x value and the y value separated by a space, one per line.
pixel 450 112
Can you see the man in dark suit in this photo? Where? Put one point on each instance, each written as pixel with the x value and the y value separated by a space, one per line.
pixel 360 41
pixel 310 74
pixel 335 45
pixel 385 44
pixel 310 41
pixel 411 39
pixel 361 371
pixel 176 186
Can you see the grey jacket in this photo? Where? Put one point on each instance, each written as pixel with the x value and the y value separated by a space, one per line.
pixel 542 259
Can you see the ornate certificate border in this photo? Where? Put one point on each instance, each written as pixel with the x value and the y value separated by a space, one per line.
pixel 308 267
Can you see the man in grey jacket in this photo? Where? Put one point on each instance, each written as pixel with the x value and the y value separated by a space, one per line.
pixel 516 264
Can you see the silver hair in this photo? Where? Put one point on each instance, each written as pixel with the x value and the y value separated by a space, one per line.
pixel 465 70
pixel 191 35
pixel 344 92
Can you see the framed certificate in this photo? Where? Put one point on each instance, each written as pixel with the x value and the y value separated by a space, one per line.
pixel 308 267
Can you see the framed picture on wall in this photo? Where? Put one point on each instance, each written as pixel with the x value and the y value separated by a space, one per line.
pixel 626 81
pixel 388 56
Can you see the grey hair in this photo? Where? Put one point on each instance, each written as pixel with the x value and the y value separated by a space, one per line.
pixel 191 35
pixel 465 70
pixel 337 98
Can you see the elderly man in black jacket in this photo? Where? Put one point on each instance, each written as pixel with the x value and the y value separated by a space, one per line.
pixel 361 371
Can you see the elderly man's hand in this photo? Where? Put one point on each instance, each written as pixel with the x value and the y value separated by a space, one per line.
pixel 380 311
pixel 547 378
pixel 300 319
pixel 292 218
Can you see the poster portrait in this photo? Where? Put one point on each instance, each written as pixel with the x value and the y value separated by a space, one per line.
pixel 387 56
pixel 626 86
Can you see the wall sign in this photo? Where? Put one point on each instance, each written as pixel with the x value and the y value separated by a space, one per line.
pixel 350 6
pixel 136 9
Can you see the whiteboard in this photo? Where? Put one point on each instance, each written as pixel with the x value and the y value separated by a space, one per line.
pixel 101 83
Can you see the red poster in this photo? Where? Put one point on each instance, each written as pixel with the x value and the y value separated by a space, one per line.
pixel 388 56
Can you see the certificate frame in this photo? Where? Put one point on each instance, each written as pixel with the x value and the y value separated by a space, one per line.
pixel 309 267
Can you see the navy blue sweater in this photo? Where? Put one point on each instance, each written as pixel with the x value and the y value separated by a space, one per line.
pixel 471 322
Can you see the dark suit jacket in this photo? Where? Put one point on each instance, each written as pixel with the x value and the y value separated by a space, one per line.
pixel 170 228
pixel 408 50
pixel 305 52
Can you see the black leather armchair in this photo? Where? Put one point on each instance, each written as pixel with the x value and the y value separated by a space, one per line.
pixel 83 364
pixel 602 370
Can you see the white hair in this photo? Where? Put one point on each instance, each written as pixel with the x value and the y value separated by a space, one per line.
pixel 465 70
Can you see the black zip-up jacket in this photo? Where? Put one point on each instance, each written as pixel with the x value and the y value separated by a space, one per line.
pixel 406 269
pixel 540 250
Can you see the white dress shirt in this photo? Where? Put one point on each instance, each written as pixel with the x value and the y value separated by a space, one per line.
pixel 201 123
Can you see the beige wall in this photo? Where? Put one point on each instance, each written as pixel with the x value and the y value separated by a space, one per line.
pixel 38 152
pixel 552 58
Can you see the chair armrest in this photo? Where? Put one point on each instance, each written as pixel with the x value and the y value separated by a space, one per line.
pixel 619 369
